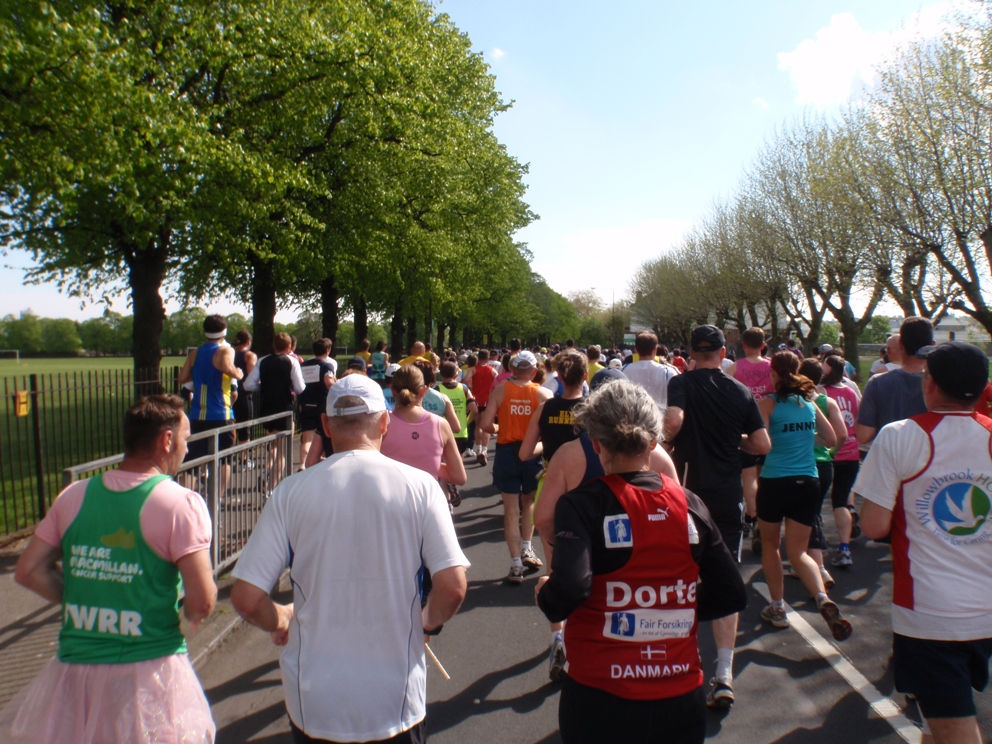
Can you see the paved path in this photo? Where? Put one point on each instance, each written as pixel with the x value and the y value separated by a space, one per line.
pixel 791 688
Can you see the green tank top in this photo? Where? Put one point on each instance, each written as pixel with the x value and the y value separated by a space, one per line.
pixel 120 603
pixel 821 453
pixel 459 402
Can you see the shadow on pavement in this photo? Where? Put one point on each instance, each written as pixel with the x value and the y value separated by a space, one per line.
pixel 837 725
pixel 445 714
pixel 247 727
pixel 247 682
pixel 497 593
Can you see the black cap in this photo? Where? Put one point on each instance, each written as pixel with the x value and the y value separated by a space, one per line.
pixel 605 375
pixel 356 363
pixel 961 370
pixel 707 338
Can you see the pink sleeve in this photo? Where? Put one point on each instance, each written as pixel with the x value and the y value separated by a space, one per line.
pixel 175 521
pixel 61 513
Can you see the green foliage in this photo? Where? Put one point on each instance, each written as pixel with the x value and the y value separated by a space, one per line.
pixel 829 334
pixel 877 330
pixel 24 333
pixel 60 336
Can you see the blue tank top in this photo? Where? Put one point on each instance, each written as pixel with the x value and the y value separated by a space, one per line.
pixel 594 468
pixel 792 428
pixel 378 371
pixel 211 388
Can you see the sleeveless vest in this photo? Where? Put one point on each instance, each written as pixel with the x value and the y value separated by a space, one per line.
pixel 756 375
pixel 120 600
pixel 459 401
pixel 211 388
pixel 635 636
pixel 519 403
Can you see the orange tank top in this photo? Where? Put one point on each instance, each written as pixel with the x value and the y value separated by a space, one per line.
pixel 519 403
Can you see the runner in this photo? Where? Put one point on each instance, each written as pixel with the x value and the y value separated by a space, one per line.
pixel 710 418
pixel 753 371
pixel 925 481
pixel 483 381
pixel 595 357
pixel 847 461
pixel 515 402
pixel 617 689
pixel 648 373
pixel 789 490
pixel 126 677
pixel 245 360
pixel 433 401
pixel 378 361
pixel 318 375
pixel 466 410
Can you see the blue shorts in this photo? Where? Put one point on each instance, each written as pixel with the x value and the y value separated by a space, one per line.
pixel 512 476
pixel 941 674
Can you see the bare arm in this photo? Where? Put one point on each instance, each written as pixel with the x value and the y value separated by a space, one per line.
pixel 824 431
pixel 864 433
pixel 186 373
pixel 836 421
pixel 453 467
pixel 757 442
pixel 450 416
pixel 256 606
pixel 224 362
pixel 489 415
pixel 531 445
pixel 250 359
pixel 660 462
pixel 199 587
pixel 450 587
pixel 876 521
pixel 674 416
pixel 37 570
pixel 568 459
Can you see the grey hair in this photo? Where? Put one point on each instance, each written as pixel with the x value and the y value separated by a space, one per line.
pixel 622 417
pixel 358 423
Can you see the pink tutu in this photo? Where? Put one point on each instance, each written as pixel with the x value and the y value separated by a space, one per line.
pixel 159 701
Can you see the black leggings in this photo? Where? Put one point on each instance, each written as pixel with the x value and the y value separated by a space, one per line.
pixel 845 473
pixel 593 716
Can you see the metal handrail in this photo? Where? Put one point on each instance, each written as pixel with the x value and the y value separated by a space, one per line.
pixel 207 469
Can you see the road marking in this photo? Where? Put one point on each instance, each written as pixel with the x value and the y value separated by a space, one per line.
pixel 884 706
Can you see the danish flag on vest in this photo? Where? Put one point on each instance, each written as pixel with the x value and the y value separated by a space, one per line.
pixel 941 530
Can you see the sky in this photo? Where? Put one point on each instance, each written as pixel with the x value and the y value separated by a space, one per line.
pixel 634 117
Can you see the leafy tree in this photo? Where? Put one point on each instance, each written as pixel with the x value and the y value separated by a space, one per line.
pixel 60 336
pixel 877 330
pixel 24 333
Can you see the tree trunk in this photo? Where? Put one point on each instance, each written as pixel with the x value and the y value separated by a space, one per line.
pixel 361 309
pixel 146 272
pixel 441 329
pixel 453 334
pixel 396 332
pixel 411 331
pixel 263 309
pixel 429 325
pixel 329 309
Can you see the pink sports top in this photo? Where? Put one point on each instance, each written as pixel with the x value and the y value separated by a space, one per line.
pixel 756 375
pixel 419 445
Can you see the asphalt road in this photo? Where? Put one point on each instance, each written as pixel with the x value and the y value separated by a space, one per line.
pixel 793 686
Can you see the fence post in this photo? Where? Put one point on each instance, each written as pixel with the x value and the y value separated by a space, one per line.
pixel 39 463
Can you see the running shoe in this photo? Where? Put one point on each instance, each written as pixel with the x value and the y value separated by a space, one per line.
pixel 828 580
pixel 516 575
pixel 756 541
pixel 843 559
pixel 720 695
pixel 789 572
pixel 855 527
pixel 840 628
pixel 530 559
pixel 469 453
pixel 482 458
pixel 776 616
pixel 454 498
pixel 556 660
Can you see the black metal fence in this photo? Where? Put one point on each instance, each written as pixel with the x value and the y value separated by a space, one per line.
pixel 49 422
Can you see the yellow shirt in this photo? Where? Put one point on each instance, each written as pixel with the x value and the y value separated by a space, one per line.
pixel 594 367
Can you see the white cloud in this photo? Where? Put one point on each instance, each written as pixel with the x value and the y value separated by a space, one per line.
pixel 760 103
pixel 842 57
pixel 497 53
pixel 606 258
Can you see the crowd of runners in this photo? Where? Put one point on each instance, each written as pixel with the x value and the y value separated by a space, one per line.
pixel 644 472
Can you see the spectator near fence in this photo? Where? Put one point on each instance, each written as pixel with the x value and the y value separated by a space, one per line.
pixel 125 538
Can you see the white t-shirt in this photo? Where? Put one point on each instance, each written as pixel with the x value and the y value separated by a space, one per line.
pixel 653 377
pixel 942 580
pixel 726 363
pixel 354 531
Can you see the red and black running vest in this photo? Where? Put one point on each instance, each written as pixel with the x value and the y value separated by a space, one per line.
pixel 635 636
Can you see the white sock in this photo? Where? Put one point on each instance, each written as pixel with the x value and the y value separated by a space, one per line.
pixel 556 635
pixel 524 545
pixel 517 562
pixel 725 665
pixel 778 604
pixel 820 599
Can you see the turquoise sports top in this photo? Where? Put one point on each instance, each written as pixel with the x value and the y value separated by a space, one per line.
pixel 792 428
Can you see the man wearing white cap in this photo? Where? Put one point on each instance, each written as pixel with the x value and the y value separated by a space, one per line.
pixel 515 400
pixel 354 665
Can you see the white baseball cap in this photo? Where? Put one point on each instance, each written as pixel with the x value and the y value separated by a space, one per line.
pixel 524 360
pixel 357 386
